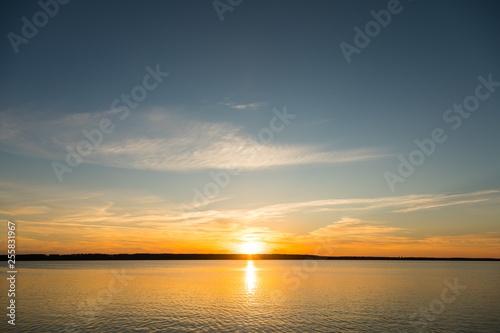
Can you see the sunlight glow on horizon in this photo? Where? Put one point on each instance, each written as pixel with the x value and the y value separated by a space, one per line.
pixel 251 247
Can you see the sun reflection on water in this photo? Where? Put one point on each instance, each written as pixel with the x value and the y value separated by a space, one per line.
pixel 250 277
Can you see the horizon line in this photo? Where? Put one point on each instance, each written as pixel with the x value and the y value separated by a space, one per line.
pixel 245 256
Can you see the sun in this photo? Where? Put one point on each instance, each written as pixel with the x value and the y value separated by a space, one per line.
pixel 250 247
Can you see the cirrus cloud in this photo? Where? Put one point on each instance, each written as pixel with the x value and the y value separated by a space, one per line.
pixel 160 140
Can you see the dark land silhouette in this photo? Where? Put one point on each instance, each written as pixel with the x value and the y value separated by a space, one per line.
pixel 194 256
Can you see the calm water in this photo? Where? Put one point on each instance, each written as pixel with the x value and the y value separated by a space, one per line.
pixel 255 296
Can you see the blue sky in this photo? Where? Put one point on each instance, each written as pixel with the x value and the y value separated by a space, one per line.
pixel 227 81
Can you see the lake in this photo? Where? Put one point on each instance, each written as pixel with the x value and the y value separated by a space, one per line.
pixel 255 296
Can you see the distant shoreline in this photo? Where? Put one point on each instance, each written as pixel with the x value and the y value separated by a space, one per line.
pixel 173 256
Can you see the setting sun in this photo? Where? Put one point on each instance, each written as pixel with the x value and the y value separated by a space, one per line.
pixel 250 247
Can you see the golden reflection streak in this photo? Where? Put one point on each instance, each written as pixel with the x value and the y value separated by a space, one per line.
pixel 250 277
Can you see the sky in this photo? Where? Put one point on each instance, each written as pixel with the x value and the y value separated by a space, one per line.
pixel 326 127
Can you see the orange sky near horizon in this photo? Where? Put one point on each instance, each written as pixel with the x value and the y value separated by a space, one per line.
pixel 348 237
pixel 120 222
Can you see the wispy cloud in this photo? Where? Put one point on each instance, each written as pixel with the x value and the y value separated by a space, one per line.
pixel 159 140
pixel 248 106
pixel 443 200
pixel 352 227
pixel 397 204
pixel 140 209
pixel 26 210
